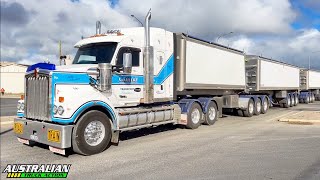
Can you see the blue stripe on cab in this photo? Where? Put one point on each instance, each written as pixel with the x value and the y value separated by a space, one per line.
pixel 165 72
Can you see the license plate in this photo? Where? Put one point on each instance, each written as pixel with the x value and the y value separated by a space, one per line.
pixel 18 128
pixel 54 135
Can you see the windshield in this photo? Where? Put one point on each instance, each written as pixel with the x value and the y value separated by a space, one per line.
pixel 95 53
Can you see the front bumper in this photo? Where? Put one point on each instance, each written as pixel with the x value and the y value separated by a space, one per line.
pixel 38 132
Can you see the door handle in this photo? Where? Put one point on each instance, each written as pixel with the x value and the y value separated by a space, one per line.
pixel 137 89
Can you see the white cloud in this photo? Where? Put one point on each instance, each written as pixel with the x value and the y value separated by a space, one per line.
pixel 259 26
pixel 294 49
pixel 214 17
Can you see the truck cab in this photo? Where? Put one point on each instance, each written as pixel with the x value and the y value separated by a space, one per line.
pixel 59 98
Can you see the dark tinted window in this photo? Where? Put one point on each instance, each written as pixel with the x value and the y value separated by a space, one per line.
pixel 135 56
pixel 95 53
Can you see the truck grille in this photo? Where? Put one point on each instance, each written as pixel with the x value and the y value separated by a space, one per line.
pixel 37 97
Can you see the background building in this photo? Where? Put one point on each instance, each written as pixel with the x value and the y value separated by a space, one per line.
pixel 12 77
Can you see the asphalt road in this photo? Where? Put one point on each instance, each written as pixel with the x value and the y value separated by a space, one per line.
pixel 8 106
pixel 234 148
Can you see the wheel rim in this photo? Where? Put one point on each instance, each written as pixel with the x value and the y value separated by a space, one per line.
pixel 297 100
pixel 94 133
pixel 251 108
pixel 212 113
pixel 265 105
pixel 258 106
pixel 288 101
pixel 195 116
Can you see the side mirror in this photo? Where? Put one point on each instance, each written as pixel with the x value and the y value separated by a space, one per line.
pixel 127 62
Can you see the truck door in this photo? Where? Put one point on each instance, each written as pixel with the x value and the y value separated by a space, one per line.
pixel 128 88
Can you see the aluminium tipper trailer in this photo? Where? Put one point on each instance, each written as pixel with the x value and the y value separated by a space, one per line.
pixel 278 80
pixel 205 69
pixel 310 85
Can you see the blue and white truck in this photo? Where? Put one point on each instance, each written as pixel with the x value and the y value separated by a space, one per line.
pixel 135 78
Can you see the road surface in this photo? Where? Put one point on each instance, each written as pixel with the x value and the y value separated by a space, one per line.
pixel 234 148
pixel 8 106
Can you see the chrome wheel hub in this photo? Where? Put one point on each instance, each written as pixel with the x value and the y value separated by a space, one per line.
pixel 265 105
pixel 258 106
pixel 251 108
pixel 195 116
pixel 212 113
pixel 94 133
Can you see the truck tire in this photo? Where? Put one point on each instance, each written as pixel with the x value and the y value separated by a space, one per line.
pixel 287 104
pixel 212 114
pixel 312 98
pixel 296 100
pixel 265 106
pixel 257 107
pixel 92 133
pixel 194 116
pixel 292 101
pixel 250 109
pixel 306 100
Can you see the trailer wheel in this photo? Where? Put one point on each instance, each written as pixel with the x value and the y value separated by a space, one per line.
pixel 265 106
pixel 306 99
pixel 212 114
pixel 250 109
pixel 296 100
pixel 194 116
pixel 288 102
pixel 312 97
pixel 92 134
pixel 292 101
pixel 257 107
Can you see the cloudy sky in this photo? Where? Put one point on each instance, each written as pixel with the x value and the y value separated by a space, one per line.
pixel 286 30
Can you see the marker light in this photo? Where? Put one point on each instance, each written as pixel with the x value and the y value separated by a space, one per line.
pixel 61 99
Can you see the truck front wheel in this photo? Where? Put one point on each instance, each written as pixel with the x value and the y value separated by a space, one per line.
pixel 92 134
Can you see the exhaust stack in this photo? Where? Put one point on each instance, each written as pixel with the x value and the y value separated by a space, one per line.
pixel 148 63
pixel 98 27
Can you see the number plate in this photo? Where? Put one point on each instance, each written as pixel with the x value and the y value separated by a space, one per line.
pixel 18 128
pixel 54 135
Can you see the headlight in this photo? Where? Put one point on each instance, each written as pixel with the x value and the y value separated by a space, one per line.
pixel 60 110
pixel 55 109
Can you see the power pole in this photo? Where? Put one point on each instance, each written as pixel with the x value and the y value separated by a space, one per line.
pixel 60 52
